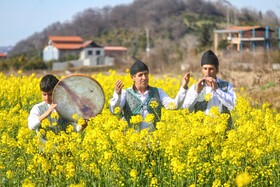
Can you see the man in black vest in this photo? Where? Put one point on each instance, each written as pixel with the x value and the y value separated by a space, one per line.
pixel 210 91
pixel 136 100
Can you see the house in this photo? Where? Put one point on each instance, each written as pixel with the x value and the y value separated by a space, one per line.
pixel 116 51
pixel 60 47
pixel 87 53
pixel 241 37
pixel 3 55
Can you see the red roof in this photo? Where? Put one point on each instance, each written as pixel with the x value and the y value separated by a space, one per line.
pixel 76 42
pixel 67 46
pixel 66 39
pixel 3 55
pixel 66 42
pixel 115 48
pixel 243 28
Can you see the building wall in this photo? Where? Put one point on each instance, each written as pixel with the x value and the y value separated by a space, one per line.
pixel 94 61
pixel 258 33
pixel 50 53
pixel 90 52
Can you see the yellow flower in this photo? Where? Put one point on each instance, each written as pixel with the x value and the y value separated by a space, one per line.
pixel 28 183
pixel 154 181
pixel 117 110
pixel 9 174
pixel 149 118
pixel 133 174
pixel 75 117
pixel 70 170
pixel 54 115
pixel 81 121
pixel 207 97
pixel 45 123
pixel 81 184
pixel 154 104
pixel 136 119
pixel 243 179
pixel 54 124
pixel 266 105
pixel 171 106
pixel 69 128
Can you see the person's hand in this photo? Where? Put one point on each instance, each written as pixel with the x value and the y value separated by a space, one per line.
pixel 210 81
pixel 51 109
pixel 186 80
pixel 201 83
pixel 48 112
pixel 81 127
pixel 118 87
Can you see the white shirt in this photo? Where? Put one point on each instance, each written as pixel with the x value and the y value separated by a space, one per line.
pixel 33 119
pixel 218 97
pixel 119 101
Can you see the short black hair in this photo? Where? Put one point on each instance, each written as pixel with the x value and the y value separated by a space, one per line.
pixel 48 83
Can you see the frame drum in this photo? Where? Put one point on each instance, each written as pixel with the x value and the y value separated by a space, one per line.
pixel 78 94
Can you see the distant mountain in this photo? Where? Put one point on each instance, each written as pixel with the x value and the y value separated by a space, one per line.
pixel 5 49
pixel 168 21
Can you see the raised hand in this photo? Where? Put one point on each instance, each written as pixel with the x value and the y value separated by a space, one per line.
pixel 118 87
pixel 186 80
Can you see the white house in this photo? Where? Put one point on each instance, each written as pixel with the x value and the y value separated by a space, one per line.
pixel 61 46
pixel 88 53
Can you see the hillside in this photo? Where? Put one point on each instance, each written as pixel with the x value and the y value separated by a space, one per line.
pixel 171 23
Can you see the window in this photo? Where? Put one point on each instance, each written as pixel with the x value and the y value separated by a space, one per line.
pixel 89 52
pixel 97 52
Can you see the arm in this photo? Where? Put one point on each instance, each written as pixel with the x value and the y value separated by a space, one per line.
pixel 118 99
pixel 166 100
pixel 179 99
pixel 191 97
pixel 227 98
pixel 35 119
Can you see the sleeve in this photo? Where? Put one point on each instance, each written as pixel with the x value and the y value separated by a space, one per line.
pixel 117 101
pixel 33 118
pixel 227 98
pixel 166 100
pixel 191 98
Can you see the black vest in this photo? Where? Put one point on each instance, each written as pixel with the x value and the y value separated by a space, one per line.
pixel 133 105
pixel 202 105
pixel 61 123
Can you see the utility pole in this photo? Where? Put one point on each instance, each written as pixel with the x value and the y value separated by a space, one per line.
pixel 148 42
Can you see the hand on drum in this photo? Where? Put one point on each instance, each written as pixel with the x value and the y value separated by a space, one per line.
pixel 81 127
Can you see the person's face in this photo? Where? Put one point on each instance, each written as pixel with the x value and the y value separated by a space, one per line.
pixel 47 96
pixel 141 80
pixel 209 70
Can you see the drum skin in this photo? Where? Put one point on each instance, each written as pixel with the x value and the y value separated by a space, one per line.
pixel 78 94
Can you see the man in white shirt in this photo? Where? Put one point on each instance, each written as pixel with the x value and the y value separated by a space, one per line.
pixel 220 92
pixel 44 109
pixel 137 99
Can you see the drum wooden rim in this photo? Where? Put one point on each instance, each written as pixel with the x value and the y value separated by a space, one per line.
pixel 78 94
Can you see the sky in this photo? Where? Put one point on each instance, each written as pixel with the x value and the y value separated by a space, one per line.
pixel 22 18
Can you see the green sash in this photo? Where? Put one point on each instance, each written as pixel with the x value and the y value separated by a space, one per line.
pixel 133 105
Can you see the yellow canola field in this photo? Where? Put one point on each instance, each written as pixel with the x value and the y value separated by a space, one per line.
pixel 187 149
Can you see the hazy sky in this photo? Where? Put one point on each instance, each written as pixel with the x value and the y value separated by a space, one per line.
pixel 21 18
